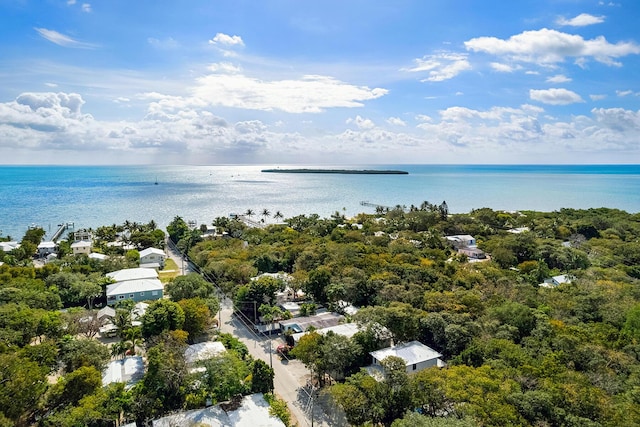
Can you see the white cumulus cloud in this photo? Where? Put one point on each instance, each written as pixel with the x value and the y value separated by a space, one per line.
pixel 581 20
pixel 361 122
pixel 555 96
pixel 547 46
pixel 618 119
pixel 504 68
pixel 441 66
pixel 308 94
pixel 396 121
pixel 226 40
pixel 558 78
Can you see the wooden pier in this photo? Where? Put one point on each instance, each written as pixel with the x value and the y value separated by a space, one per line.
pixel 61 229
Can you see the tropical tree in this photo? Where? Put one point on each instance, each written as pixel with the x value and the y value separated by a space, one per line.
pixel 261 377
pixel 278 215
pixel 249 213
pixel 271 313
pixel 197 317
pixel 265 214
pixel 22 383
pixel 162 316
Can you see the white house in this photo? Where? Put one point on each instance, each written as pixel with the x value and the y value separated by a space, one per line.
pixel 461 240
pixel 416 356
pixel 152 258
pixel 319 321
pixel 137 284
pixel 81 247
pixel 95 255
pixel 252 411
pixel 133 274
pixel 554 281
pixel 9 246
pixel 83 234
pixel 47 248
pixel 128 370
pixel 203 351
pixel 345 329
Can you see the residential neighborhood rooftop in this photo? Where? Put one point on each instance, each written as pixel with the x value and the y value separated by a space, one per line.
pixel 253 412
pixel 133 286
pixel 203 351
pixel 128 370
pixel 411 352
pixel 133 274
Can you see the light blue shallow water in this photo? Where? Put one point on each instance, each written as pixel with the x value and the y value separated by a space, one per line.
pixel 94 196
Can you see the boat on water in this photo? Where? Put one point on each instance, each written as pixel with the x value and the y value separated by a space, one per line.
pixel 340 171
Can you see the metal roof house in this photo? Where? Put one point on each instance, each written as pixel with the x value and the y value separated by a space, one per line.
pixel 137 284
pixel 319 321
pixel 128 371
pixel 81 247
pixel 252 412
pixel 152 257
pixel 416 356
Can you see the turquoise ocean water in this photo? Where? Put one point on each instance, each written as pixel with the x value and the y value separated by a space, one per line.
pixel 94 196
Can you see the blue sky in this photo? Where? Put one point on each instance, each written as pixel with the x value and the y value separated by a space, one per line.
pixel 325 82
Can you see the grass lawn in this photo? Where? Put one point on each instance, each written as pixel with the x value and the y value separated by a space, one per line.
pixel 170 271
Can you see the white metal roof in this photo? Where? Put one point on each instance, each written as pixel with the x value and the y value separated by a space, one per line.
pixel 345 329
pixel 133 274
pixel 133 286
pixel 411 352
pixel 203 351
pixel 96 255
pixel 127 370
pixel 253 412
pixel 81 244
pixel 150 251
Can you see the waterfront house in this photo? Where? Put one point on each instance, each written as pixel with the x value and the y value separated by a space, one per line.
pixel 152 258
pixel 83 235
pixel 81 247
pixel 137 284
pixel 47 248
pixel 9 246
pixel 416 356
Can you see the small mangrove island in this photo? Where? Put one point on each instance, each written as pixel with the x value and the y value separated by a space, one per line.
pixel 340 171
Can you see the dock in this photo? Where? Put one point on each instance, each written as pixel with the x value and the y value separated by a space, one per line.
pixel 61 229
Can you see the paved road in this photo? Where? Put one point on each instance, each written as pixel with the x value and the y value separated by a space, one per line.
pixel 290 377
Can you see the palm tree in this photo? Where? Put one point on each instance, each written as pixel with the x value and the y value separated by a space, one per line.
pixel 278 215
pixel 118 349
pixel 249 213
pixel 265 214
